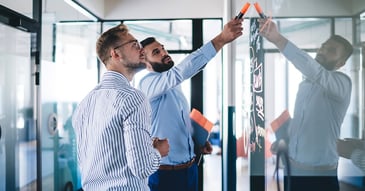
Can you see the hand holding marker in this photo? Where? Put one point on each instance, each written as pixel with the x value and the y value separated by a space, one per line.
pixel 262 15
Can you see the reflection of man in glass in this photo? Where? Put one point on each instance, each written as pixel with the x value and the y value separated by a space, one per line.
pixel 69 149
pixel 321 104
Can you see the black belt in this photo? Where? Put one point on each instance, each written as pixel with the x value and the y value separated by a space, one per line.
pixel 301 166
pixel 178 166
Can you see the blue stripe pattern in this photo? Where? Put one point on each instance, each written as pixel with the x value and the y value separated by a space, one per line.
pixel 358 158
pixel 112 127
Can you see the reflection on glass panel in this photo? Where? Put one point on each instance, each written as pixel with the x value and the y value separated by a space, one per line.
pixel 343 27
pixel 351 124
pixel 362 74
pixel 362 29
pixel 242 43
pixel 212 75
pixel 294 28
pixel 293 80
pixel 350 127
pixel 18 130
pixel 297 31
pixel 212 106
pixel 65 83
pixel 174 34
pixel 242 107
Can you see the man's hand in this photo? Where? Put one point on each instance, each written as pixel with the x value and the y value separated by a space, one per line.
pixel 269 30
pixel 231 31
pixel 207 148
pixel 162 145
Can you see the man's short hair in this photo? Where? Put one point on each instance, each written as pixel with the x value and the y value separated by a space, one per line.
pixel 108 40
pixel 147 41
pixel 348 49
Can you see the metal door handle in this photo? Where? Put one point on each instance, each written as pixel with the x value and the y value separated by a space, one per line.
pixel 0 132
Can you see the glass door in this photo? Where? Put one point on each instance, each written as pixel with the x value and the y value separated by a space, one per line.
pixel 17 124
pixel 65 82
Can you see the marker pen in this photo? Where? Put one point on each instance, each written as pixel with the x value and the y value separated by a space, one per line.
pixel 243 11
pixel 259 10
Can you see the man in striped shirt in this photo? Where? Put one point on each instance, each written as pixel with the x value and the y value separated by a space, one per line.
pixel 112 123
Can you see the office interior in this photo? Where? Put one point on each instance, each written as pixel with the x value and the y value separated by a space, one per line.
pixel 48 63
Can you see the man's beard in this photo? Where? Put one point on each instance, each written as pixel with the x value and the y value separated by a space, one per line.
pixel 136 66
pixel 139 67
pixel 162 67
pixel 322 61
pixel 133 65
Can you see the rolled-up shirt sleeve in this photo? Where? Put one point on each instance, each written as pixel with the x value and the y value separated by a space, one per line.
pixel 358 158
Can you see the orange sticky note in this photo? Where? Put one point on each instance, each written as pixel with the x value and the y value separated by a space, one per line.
pixel 279 121
pixel 200 119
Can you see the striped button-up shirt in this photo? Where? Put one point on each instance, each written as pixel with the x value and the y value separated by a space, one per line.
pixel 112 127
pixel 358 158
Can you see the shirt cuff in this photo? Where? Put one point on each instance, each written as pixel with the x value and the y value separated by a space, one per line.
pixel 358 158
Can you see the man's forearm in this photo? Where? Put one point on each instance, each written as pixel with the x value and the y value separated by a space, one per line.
pixel 218 42
pixel 280 41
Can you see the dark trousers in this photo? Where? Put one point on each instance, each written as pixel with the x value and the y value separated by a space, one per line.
pixel 313 180
pixel 175 180
pixel 312 183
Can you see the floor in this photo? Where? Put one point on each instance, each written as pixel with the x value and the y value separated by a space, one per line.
pixel 213 174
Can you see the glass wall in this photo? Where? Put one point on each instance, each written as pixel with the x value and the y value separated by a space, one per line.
pixel 282 82
pixel 69 69
pixel 65 82
pixel 212 107
pixel 18 152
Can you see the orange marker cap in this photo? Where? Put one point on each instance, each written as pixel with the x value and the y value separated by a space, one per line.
pixel 245 7
pixel 257 7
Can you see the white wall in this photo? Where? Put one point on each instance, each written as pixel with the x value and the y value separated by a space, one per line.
pixel 144 9
pixel 358 6
pixel 61 10
pixel 95 6
pixel 160 9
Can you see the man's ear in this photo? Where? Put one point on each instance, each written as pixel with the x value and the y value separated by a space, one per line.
pixel 113 53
